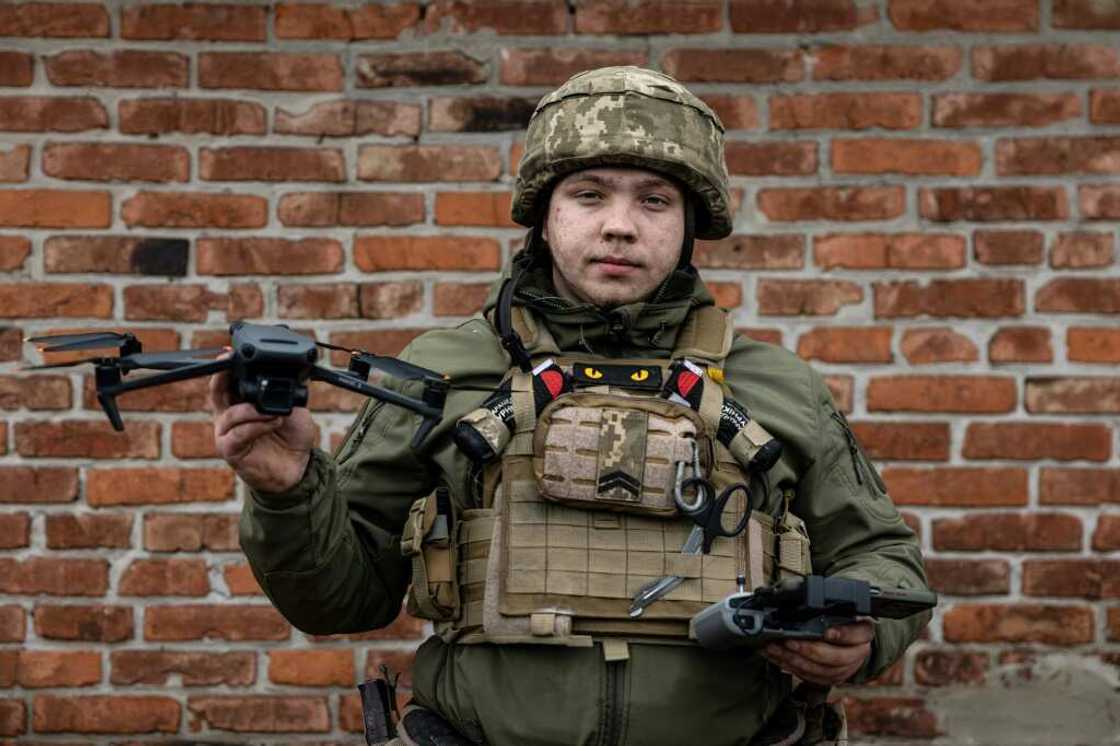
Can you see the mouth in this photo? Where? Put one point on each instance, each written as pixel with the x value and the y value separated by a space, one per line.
pixel 616 261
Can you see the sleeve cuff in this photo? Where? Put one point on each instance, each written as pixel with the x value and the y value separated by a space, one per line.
pixel 314 477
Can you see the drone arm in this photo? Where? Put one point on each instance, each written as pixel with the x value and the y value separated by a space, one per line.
pixel 108 392
pixel 430 407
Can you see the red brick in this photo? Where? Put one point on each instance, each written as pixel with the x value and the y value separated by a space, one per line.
pixel 1093 345
pixel 1058 486
pixel 269 256
pixel 1039 61
pixel 832 203
pixel 1113 631
pixel 966 298
pixel 950 667
pixel 169 302
pixel 850 111
pixel 890 716
pixel 311 667
pixel 1036 441
pixel 649 17
pixel 910 157
pixel 390 300
pixel 517 17
pixel 1002 248
pixel 83 623
pixel 1021 345
pixel 841 388
pixel 13 623
pixel 389 253
pixel 11 344
pixel 1081 249
pixel 15 164
pixel 55 668
pixel 79 439
pixel 404 627
pixel 1104 107
pixel 349 118
pixel 793 16
pixel 240 581
pixel 1079 295
pixel 120 68
pixel 847 344
pixel 483 209
pixel 735 112
pixel 53 300
pixel 105 714
pixel 191 532
pixel 54 576
pixel 904 441
pixel 806 297
pixel 379 342
pixel 700 65
pixel 771 158
pixel 1099 202
pixel 369 21
pixel 994 15
pixel 195 22
pixel 271 164
pixel 319 301
pixel 1058 155
pixel 1072 578
pixel 89 531
pixel 958 393
pixel 428 163
pixel 1106 537
pixel 419 69
pixel 937 345
pixel 16 69
pixel 194 210
pixel 50 208
pixel 1004 109
pixel 160 577
pixel 886 62
pixel 116 254
pixel 396 660
pixel 957 486
pixel 1008 532
pixel 350 208
pixel 15 530
pixel 13 717
pixel 969 577
pixel 751 252
pixel 552 66
pixel 895 251
pixel 270 71
pixel 1087 395
pixel 153 486
pixel 34 392
pixel 156 667
pixel 726 294
pixel 44 484
pixel 231 622
pixel 58 21
pixel 1086 14
pixel 156 116
pixel 51 114
pixel 459 299
pixel 993 203
pixel 268 714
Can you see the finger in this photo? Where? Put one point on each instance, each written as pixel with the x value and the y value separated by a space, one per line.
pixel 219 388
pixel 240 440
pixel 239 414
pixel 826 654
pixel 856 633
pixel 810 670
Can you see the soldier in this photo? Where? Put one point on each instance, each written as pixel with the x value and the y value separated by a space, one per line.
pixel 596 384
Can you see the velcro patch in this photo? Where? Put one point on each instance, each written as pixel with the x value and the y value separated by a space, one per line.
pixel 641 377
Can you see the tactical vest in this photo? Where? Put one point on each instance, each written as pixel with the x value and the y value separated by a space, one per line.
pixel 576 509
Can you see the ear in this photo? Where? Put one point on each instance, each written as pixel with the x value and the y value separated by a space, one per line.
pixel 544 226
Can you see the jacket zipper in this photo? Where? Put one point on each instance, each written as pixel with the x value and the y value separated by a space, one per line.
pixel 853 449
pixel 613 706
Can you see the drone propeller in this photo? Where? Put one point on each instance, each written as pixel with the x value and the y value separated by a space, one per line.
pixel 127 343
pixel 360 359
pixel 72 363
pixel 171 360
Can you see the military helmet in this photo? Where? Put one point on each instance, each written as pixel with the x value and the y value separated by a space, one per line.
pixel 626 116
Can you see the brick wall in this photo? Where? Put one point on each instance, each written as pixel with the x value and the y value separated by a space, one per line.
pixel 927 210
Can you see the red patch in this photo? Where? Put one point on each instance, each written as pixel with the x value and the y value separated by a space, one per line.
pixel 554 381
pixel 686 381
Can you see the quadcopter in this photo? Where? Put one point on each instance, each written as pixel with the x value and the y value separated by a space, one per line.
pixel 269 366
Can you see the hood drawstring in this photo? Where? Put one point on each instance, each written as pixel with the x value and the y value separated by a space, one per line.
pixel 661 327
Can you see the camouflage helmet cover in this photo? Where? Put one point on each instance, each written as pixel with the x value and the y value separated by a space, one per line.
pixel 626 116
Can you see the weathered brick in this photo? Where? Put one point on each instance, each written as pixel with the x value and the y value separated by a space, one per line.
pixel 194 210
pixel 397 660
pixel 1008 532
pixel 105 714
pixel 169 303
pixel 849 111
pixel 428 163
pixel 116 162
pixel 1081 249
pixel 269 256
pixel 968 298
pixel 751 252
pixel 910 157
pixel 231 622
pixel 191 532
pixel 771 158
pixel 699 65
pixel 552 66
pixel 886 62
pixel 16 69
pixel 907 717
pixel 1093 344
pixel 1028 344
pixel 326 21
pixel 320 209
pixel 83 623
pixel 904 441
pixel 89 531
pixel 33 300
pixel 390 300
pixel 268 714
pixel 13 623
pixel 994 15
pixel 156 667
pixel 649 17
pixel 164 577
pixel 1086 14
pixel 459 299
pixel 119 68
pixel 842 390
pixel 937 345
pixel 50 208
pixel 1099 202
pixel 13 717
pixel 832 203
pixel 479 113
pixel 195 22
pixel 270 71
pixel 1104 106
pixel 271 164
pixel 1062 486
pixel 1113 630
pixel 482 209
pixel 44 484
pixel 894 251
pixel 1106 536
pixel 806 297
pixel 15 530
pixel 1004 109
pixel 54 576
pixel 11 343
pixel 957 393
pixel 35 393
pixel 1041 61
pixel 736 112
pixel 38 669
pixel 139 486
pixel 948 204
pixel 794 16
pixel 349 118
pixel 957 486
pixel 1079 295
pixel 1087 395
pixel 58 21
pixel 157 116
pixel 387 253
pixel 518 17
pixel 1036 441
pixel 950 667
pixel 726 294
pixel 847 344
pixel 15 164
pixel 419 69
pixel 240 581
pixel 1072 578
pixel 52 114
pixel 1058 155
pixel 311 667
pixel 1002 248
pixel 81 439
pixel 319 301
pixel 128 255
pixel 969 577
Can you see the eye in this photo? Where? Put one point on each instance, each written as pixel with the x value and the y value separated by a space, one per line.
pixel 655 200
pixel 587 195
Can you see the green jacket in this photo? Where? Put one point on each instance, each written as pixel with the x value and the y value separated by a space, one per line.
pixel 327 552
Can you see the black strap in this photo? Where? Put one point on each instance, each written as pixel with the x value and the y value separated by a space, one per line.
pixel 504 318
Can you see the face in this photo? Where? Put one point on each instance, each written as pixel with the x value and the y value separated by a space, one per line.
pixel 615 234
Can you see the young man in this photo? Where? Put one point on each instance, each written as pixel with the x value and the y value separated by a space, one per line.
pixel 531 592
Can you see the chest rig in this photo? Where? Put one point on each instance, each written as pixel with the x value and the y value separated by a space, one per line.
pixel 578 458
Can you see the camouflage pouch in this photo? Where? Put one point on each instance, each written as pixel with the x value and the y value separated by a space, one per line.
pixel 598 451
pixel 429 540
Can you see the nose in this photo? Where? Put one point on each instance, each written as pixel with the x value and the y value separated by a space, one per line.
pixel 618 223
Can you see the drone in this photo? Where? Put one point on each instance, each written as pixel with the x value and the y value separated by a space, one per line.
pixel 269 366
